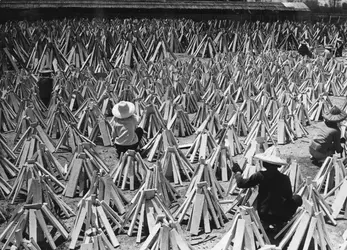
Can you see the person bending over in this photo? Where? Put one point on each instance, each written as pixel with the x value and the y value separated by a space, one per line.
pixel 327 140
pixel 125 131
pixel 276 203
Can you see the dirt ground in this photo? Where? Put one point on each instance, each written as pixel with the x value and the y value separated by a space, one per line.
pixel 297 150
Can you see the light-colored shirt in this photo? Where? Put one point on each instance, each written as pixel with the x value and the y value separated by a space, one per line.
pixel 123 130
pixel 327 138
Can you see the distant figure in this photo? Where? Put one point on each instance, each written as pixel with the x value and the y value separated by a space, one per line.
pixel 328 53
pixel 339 47
pixel 45 85
pixel 304 48
pixel 276 203
pixel 327 140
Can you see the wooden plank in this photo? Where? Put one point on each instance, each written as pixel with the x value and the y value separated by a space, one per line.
pixel 310 233
pixel 197 212
pixel 44 228
pixel 71 185
pixel 108 227
pixel 239 235
pixel 299 233
pixel 340 200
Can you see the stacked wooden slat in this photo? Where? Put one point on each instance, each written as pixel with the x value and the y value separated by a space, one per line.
pixel 246 232
pixel 142 213
pixel 32 170
pixel 201 207
pixel 37 221
pixel 176 166
pixel 155 179
pixel 93 213
pixel 130 171
pixel 80 170
pixel 165 236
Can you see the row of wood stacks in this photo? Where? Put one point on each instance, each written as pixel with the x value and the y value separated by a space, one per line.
pixel 104 211
pixel 105 44
pixel 80 104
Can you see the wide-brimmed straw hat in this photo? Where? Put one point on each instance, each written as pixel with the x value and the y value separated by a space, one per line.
pixel 272 155
pixel 123 110
pixel 335 115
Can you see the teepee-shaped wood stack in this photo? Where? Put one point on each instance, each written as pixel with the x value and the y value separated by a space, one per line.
pixel 130 170
pixel 176 166
pixel 204 173
pixel 229 136
pixel 321 105
pixel 37 221
pixel 151 121
pixel 330 174
pixel 155 179
pixel 37 130
pixel 80 170
pixel 71 138
pixel 260 127
pixel 202 147
pixel 200 207
pixel 142 213
pixel 246 232
pixel 106 191
pixel 201 115
pixel 22 243
pixel 165 236
pixel 34 149
pixel 238 120
pixel 93 213
pixel 293 170
pixel 310 193
pixel 306 222
pixel 32 170
pixel 156 147
pixel 221 161
pixel 180 125
pixel 40 189
pixel 59 115
pixel 211 123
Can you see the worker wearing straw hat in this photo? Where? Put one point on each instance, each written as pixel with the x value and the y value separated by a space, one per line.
pixel 125 133
pixel 276 203
pixel 327 139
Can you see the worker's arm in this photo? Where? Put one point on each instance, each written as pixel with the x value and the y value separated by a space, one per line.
pixel 252 181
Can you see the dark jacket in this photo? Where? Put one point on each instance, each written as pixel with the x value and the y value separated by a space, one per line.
pixel 274 191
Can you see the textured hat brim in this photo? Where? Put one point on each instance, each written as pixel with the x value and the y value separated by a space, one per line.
pixel 271 159
pixel 335 118
pixel 116 113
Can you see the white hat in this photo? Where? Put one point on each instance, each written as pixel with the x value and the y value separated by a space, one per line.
pixel 123 109
pixel 272 155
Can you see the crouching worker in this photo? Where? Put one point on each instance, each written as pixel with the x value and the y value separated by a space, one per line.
pixel 327 139
pixel 276 203
pixel 125 133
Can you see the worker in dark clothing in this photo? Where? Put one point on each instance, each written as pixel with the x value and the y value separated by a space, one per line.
pixel 339 48
pixel 276 203
pixel 327 139
pixel 304 49
pixel 45 85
